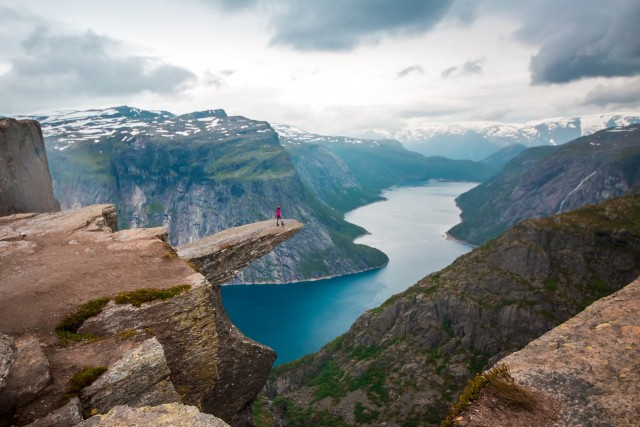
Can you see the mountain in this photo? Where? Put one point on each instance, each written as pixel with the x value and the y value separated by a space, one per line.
pixel 542 181
pixel 404 362
pixel 198 174
pixel 357 169
pixel 477 140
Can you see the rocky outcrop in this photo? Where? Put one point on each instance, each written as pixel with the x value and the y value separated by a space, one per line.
pixel 169 415
pixel 139 378
pixel 25 182
pixel 589 365
pixel 65 416
pixel 219 255
pixel 544 181
pixel 160 330
pixel 407 359
pixel 28 375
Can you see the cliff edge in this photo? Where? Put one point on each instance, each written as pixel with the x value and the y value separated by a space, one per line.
pixel 25 182
pixel 588 366
pixel 78 299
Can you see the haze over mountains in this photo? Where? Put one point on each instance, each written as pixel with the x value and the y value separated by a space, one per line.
pixel 477 140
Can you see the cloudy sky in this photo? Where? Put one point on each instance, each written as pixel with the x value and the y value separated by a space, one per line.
pixel 332 66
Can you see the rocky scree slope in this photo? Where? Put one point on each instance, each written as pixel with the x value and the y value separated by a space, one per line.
pixel 404 362
pixel 588 365
pixel 25 183
pixel 543 181
pixel 198 174
pixel 79 300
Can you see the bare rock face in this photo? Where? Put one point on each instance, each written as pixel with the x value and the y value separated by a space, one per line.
pixel 177 349
pixel 140 378
pixel 7 357
pixel 222 255
pixel 168 415
pixel 589 363
pixel 68 415
pixel 25 182
pixel 28 375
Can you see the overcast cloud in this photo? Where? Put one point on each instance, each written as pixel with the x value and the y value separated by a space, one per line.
pixel 334 66
pixel 583 38
pixel 343 25
pixel 47 64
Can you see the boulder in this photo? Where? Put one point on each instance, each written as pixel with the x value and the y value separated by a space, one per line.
pixel 28 375
pixel 140 377
pixel 168 415
pixel 68 415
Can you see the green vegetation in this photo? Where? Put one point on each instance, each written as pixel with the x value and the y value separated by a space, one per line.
pixel 140 296
pixel 261 415
pixel 329 382
pixel 67 329
pixel 499 380
pixel 298 417
pixel 364 415
pixel 550 284
pixel 372 382
pixel 83 378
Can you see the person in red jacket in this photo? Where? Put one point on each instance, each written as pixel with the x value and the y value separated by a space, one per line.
pixel 278 218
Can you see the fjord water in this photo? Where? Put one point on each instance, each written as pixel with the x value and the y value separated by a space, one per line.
pixel 297 319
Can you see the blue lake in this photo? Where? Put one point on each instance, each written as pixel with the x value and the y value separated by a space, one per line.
pixel 410 226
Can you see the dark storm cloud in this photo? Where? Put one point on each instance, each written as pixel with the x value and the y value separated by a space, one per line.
pixel 337 25
pixel 583 38
pixel 52 66
pixel 469 68
pixel 624 95
pixel 410 69
pixel 230 4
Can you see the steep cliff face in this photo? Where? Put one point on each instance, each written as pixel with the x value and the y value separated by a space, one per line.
pixel 25 183
pixel 79 299
pixel 543 181
pixel 587 365
pixel 198 174
pixel 403 362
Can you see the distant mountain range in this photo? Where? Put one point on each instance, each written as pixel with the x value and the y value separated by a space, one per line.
pixel 477 140
pixel 542 181
pixel 203 172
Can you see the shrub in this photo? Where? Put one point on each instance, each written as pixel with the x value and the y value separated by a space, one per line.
pixel 499 380
pixel 83 378
pixel 140 296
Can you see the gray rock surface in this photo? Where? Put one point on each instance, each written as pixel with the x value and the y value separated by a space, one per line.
pixel 7 357
pixel 222 255
pixel 25 182
pixel 68 415
pixel 168 415
pixel 591 363
pixel 28 375
pixel 138 379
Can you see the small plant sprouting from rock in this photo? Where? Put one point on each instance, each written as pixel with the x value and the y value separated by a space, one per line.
pixel 67 329
pixel 499 380
pixel 83 378
pixel 140 296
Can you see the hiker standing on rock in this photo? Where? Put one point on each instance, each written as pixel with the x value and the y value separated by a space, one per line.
pixel 278 219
